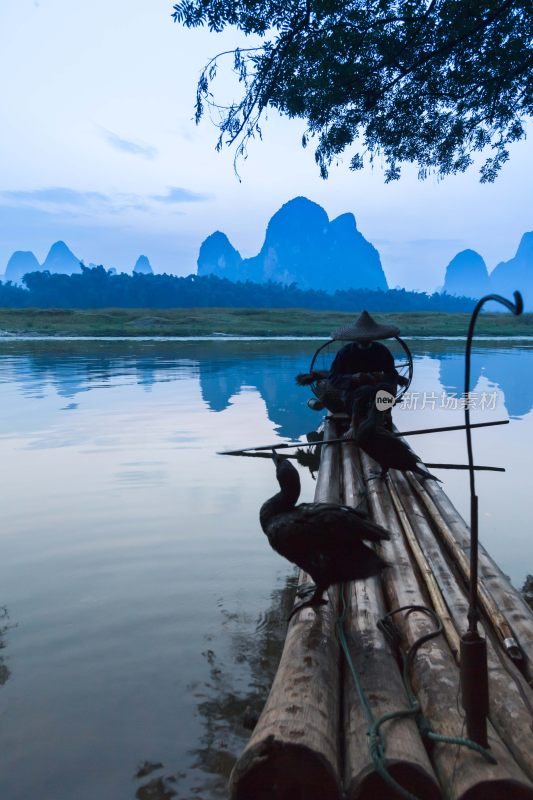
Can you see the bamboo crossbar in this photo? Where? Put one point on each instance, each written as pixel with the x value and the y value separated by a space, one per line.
pixel 342 440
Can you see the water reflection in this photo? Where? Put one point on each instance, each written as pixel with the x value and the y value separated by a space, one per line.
pixel 158 787
pixel 75 367
pixel 229 703
pixel 273 377
pixel 227 707
pixel 527 590
pixel 4 627
pixel 500 369
pixel 226 369
pixel 123 529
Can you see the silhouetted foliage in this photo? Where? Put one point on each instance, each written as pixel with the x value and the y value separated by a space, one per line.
pixel 422 81
pixel 13 296
pixel 101 288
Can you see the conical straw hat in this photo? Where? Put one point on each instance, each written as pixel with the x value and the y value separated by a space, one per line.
pixel 365 329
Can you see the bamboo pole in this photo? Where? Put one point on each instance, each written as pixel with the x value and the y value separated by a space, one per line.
pixel 508 599
pixel 463 774
pixel 454 532
pixel 293 751
pixel 285 445
pixel 511 698
pixel 377 668
pixel 426 571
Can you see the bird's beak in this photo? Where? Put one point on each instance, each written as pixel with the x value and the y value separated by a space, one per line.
pixel 276 458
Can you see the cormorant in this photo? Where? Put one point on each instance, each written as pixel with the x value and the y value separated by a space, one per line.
pixel 323 539
pixel 363 400
pixel 385 447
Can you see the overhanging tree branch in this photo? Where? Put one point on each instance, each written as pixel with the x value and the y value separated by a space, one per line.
pixel 413 81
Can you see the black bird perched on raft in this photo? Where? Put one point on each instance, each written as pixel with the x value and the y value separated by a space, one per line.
pixel 362 401
pixel 323 539
pixel 385 447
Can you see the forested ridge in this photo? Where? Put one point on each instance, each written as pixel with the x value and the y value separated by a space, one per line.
pixel 101 288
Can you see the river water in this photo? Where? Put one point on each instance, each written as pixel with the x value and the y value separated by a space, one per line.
pixel 141 609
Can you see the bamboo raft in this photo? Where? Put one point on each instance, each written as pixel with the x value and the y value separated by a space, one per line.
pixel 312 739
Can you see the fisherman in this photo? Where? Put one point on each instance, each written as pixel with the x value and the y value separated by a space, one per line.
pixel 364 362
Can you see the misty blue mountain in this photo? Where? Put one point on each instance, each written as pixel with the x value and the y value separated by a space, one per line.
pixel 143 266
pixel 517 273
pixel 59 261
pixel 20 263
pixel 301 246
pixel 218 257
pixel 467 274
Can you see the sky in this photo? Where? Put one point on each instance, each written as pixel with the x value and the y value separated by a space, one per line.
pixel 98 147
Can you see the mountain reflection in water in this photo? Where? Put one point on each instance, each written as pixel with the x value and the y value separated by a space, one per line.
pixel 500 370
pixel 227 368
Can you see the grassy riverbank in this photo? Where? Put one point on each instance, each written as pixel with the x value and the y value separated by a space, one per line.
pixel 235 321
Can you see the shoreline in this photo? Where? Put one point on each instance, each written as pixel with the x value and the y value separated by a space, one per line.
pixel 36 337
pixel 221 324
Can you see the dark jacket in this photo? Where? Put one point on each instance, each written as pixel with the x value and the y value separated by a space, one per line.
pixel 352 359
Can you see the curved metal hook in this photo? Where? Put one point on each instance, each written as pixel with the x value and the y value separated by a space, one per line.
pixel 516 308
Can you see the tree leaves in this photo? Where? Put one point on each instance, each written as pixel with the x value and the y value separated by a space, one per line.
pixel 413 81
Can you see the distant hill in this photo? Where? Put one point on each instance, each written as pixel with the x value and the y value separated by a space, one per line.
pixel 143 266
pixel 21 262
pixel 61 259
pixel 218 257
pixel 517 273
pixel 301 246
pixel 467 275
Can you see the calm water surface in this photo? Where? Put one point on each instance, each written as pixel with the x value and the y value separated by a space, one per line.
pixel 141 609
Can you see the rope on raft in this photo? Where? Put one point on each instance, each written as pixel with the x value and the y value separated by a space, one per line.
pixel 376 744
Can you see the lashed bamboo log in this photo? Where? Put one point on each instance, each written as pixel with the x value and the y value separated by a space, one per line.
pixel 511 698
pixel 507 610
pixel 432 586
pixel 293 752
pixel 462 773
pixel 377 669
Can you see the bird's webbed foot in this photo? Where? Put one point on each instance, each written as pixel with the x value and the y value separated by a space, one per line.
pixel 315 601
pixel 306 591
